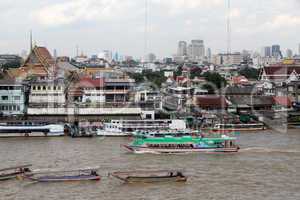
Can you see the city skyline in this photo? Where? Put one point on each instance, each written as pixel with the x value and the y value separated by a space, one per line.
pixel 119 25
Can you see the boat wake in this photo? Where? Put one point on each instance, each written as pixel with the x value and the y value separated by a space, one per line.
pixel 268 150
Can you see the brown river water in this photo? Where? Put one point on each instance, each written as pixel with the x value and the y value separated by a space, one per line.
pixel 267 167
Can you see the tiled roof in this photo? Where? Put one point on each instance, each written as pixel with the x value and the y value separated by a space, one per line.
pixel 283 101
pixel 275 71
pixel 211 101
pixel 88 82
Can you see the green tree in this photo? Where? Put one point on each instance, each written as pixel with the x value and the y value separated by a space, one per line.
pixel 215 79
pixel 249 73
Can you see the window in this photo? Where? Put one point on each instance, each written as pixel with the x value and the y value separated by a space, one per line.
pixel 34 87
pixel 17 98
pixel 4 98
pixel 38 87
pixel 49 87
pixel 44 87
pixel 54 87
pixel 18 108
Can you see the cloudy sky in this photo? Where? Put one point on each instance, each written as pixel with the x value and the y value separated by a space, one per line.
pixel 118 25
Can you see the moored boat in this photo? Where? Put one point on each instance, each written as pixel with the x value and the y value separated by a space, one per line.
pixel 150 176
pixel 64 176
pixel 237 127
pixel 119 128
pixel 184 144
pixel 13 172
pixel 31 130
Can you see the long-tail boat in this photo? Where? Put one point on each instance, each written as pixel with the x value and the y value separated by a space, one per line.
pixel 64 176
pixel 150 176
pixel 183 144
pixel 13 172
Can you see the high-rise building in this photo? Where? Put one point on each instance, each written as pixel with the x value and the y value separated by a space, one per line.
pixel 196 50
pixel 208 54
pixel 299 49
pixel 289 53
pixel 276 51
pixel 266 52
pixel 182 48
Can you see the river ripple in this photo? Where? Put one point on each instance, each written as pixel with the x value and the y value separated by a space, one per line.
pixel 268 167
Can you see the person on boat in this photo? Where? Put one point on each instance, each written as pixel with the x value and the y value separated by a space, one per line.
pixel 94 173
pixel 179 174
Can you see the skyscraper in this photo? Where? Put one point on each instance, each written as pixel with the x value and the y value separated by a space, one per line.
pixel 182 48
pixel 276 51
pixel 266 52
pixel 208 54
pixel 299 49
pixel 196 50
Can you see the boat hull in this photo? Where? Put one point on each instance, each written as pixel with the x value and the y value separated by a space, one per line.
pixel 142 150
pixel 155 179
pixel 65 178
pixel 35 134
pixel 103 133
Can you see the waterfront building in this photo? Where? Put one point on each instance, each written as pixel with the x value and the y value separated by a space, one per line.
pixel 47 93
pixel 12 97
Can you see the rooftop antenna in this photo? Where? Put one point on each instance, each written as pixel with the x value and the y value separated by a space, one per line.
pixel 146 30
pixel 228 27
pixel 30 40
pixel 77 51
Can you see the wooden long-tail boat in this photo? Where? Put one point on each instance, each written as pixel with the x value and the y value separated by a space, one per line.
pixel 64 176
pixel 13 172
pixel 150 176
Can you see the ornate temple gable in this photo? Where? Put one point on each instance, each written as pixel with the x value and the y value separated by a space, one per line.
pixel 294 76
pixel 39 64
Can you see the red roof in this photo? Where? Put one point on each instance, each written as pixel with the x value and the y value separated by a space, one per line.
pixel 211 101
pixel 240 80
pixel 283 101
pixel 274 71
pixel 88 82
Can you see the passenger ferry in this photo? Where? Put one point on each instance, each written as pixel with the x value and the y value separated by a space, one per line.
pixel 237 127
pixel 184 144
pixel 127 127
pixel 31 130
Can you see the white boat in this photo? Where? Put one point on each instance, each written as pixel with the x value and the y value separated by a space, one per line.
pixel 238 127
pixel 15 130
pixel 127 127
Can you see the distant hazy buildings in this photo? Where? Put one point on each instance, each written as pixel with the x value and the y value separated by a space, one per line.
pixel 195 51
pixel 289 53
pixel 208 54
pixel 299 49
pixel 266 51
pixel 182 48
pixel 228 59
pixel 150 58
pixel 276 52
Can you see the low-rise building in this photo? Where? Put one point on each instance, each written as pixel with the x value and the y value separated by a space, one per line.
pixel 12 97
